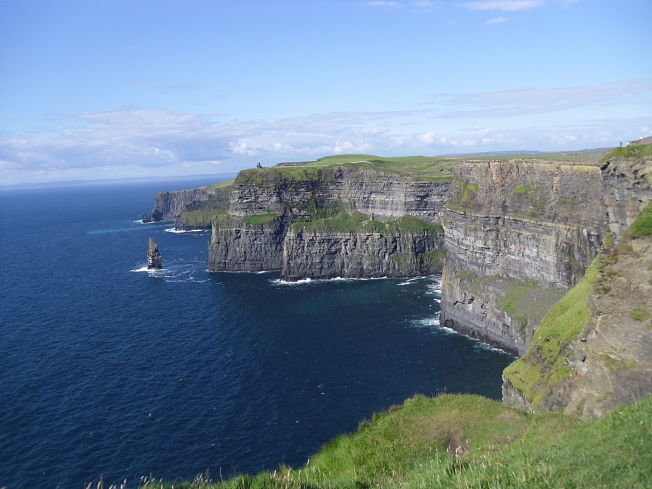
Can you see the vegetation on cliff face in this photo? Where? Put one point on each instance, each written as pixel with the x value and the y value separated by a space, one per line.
pixel 465 441
pixel 260 218
pixel 359 222
pixel 642 226
pixel 463 198
pixel 417 167
pixel 637 151
pixel 544 364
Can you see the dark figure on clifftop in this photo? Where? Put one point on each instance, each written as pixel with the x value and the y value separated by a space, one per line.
pixel 154 258
pixel 258 165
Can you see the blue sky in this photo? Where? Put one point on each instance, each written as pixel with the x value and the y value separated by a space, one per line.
pixel 109 89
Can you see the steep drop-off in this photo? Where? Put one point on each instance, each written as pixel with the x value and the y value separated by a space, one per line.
pixel 518 233
pixel 592 352
pixel 330 222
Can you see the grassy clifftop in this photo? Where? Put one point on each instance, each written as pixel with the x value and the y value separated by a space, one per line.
pixel 465 441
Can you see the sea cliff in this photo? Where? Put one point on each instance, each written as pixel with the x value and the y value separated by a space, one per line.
pixel 330 222
pixel 518 233
pixel 513 238
pixel 592 351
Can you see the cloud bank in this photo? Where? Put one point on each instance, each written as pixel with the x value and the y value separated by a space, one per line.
pixel 158 142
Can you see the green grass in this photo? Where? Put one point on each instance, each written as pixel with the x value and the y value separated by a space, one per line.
pixel 204 217
pixel 465 441
pixel 642 226
pixel 640 151
pixel 526 301
pixel 222 184
pixel 463 197
pixel 639 314
pixel 260 218
pixel 544 364
pixel 418 167
pixel 358 222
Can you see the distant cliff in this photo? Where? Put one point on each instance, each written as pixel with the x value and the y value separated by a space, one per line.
pixel 169 205
pixel 330 222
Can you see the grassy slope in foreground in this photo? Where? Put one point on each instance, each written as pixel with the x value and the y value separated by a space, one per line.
pixel 466 441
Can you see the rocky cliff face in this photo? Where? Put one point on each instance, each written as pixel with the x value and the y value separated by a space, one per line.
pixel 303 191
pixel 518 234
pixel 325 253
pixel 241 247
pixel 272 215
pixel 154 258
pixel 169 205
pixel 627 186
pixel 592 351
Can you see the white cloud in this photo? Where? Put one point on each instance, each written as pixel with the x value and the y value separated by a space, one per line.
pixel 157 142
pixel 510 103
pixel 421 7
pixel 503 5
pixel 384 4
pixel 496 20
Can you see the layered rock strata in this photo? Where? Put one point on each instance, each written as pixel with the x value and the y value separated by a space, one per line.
pixel 169 205
pixel 592 351
pixel 518 233
pixel 324 254
pixel 271 216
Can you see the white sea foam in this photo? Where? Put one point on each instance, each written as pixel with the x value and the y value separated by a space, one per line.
pixel 303 281
pixel 149 270
pixel 426 322
pixel 184 231
pixel 478 343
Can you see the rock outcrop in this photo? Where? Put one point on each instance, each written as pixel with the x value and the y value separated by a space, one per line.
pixel 169 205
pixel 154 258
pixel 518 233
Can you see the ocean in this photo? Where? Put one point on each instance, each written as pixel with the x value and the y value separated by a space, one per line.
pixel 110 371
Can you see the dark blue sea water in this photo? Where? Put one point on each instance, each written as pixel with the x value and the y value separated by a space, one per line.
pixel 108 371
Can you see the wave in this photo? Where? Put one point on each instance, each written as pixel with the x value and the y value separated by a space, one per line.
pixel 184 231
pixel 478 343
pixel 432 322
pixel 140 221
pixel 149 270
pixel 412 280
pixel 304 281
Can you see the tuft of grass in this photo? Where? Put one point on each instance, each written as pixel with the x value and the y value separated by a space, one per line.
pixel 204 217
pixel 638 151
pixel 359 222
pixel 463 197
pixel 639 314
pixel 260 218
pixel 617 364
pixel 642 226
pixel 544 364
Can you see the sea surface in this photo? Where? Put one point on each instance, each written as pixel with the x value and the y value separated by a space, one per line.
pixel 110 371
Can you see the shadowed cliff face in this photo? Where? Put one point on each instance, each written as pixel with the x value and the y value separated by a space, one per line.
pixel 518 233
pixel 327 254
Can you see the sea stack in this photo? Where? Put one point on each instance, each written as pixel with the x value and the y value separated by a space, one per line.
pixel 154 258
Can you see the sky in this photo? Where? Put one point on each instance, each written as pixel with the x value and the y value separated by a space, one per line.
pixel 97 89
